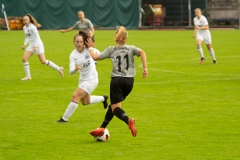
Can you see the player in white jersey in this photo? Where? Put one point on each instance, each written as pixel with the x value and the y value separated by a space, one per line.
pixel 202 33
pixel 81 60
pixel 122 77
pixel 83 24
pixel 35 46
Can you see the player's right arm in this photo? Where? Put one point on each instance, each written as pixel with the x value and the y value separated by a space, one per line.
pixel 66 30
pixel 25 42
pixel 73 68
pixel 195 32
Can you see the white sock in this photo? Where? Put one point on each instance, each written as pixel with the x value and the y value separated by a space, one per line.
pixel 212 54
pixel 70 110
pixel 96 99
pixel 200 50
pixel 26 68
pixel 52 65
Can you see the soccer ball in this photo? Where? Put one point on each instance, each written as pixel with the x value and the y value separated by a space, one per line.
pixel 104 137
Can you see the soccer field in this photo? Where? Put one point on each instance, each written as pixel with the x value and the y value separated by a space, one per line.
pixel 183 110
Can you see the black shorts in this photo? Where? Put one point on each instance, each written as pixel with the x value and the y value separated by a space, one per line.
pixel 120 87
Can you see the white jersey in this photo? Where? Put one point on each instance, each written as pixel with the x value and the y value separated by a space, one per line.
pixel 201 22
pixel 88 70
pixel 32 35
pixel 203 35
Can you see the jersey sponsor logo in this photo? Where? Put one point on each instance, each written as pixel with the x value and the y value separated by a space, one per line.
pixel 87 64
pixel 87 56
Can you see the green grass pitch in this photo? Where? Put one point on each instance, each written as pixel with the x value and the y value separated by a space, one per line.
pixel 183 110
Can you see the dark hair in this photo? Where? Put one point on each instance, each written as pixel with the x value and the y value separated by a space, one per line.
pixel 85 36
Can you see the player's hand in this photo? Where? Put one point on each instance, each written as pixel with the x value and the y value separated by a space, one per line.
pixel 62 31
pixel 90 42
pixel 145 73
pixel 23 47
pixel 194 36
pixel 78 67
pixel 34 49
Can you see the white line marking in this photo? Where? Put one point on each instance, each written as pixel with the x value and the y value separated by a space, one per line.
pixel 136 83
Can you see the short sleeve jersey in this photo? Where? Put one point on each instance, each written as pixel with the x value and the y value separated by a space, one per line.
pixel 88 70
pixel 31 35
pixel 85 25
pixel 202 21
pixel 122 60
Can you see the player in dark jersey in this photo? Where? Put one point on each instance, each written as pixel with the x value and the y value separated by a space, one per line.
pixel 122 77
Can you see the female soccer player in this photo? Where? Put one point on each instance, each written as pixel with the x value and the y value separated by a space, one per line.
pixel 122 77
pixel 35 46
pixel 83 24
pixel 81 60
pixel 202 33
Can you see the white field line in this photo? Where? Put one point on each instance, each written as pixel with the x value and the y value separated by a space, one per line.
pixel 104 86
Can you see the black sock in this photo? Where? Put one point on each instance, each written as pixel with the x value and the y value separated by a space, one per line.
pixel 108 117
pixel 119 112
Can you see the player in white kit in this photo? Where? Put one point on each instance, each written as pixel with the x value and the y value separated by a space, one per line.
pixel 122 77
pixel 35 46
pixel 202 33
pixel 81 60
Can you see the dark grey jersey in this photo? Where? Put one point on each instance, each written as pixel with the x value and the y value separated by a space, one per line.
pixel 122 60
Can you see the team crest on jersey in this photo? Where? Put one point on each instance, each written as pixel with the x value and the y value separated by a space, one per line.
pixel 87 56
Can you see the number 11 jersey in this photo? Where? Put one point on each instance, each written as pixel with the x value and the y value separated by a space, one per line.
pixel 122 60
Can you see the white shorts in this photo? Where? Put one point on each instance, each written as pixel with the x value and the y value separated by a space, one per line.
pixel 206 37
pixel 40 49
pixel 89 85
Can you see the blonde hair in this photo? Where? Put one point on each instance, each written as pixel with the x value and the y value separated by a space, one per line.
pixel 120 36
pixel 198 9
pixel 33 20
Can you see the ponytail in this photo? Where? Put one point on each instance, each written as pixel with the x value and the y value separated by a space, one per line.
pixel 85 36
pixel 120 36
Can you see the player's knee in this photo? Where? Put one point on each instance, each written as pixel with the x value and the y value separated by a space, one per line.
pixel 24 59
pixel 85 103
pixel 43 61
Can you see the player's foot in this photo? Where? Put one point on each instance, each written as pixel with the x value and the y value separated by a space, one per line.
pixel 202 60
pixel 61 120
pixel 131 126
pixel 61 72
pixel 97 132
pixel 105 104
pixel 214 61
pixel 26 78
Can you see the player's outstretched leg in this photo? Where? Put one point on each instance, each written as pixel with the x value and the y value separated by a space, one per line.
pixel 96 99
pixel 56 67
pixel 213 55
pixel 120 113
pixel 26 68
pixel 200 50
pixel 69 111
pixel 108 117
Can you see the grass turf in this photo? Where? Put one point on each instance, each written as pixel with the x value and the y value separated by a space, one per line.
pixel 183 110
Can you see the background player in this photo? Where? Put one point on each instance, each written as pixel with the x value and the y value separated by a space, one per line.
pixel 80 60
pixel 202 33
pixel 122 77
pixel 83 24
pixel 35 46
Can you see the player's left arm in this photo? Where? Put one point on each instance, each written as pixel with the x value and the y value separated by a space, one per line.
pixel 144 62
pixel 92 33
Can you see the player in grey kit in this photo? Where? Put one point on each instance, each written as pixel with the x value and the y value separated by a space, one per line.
pixel 122 77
